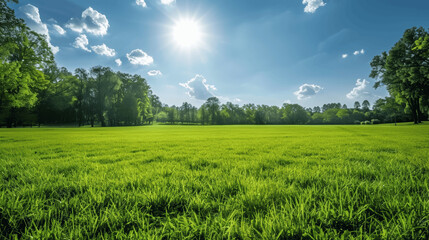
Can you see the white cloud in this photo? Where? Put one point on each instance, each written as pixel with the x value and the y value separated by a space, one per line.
pixel 307 90
pixel 359 52
pixel 345 55
pixel 91 22
pixel 360 89
pixel 167 2
pixel 59 29
pixel 81 42
pixel 118 62
pixel 312 5
pixel 141 3
pixel 198 88
pixel 32 18
pixel 104 50
pixel 154 73
pixel 138 57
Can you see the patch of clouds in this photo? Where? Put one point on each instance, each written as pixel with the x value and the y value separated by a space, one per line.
pixel 360 90
pixel 118 62
pixel 167 2
pixel 307 90
pixel 33 20
pixel 81 42
pixel 91 22
pixel 345 55
pixel 104 50
pixel 359 52
pixel 223 99
pixel 312 5
pixel 138 57
pixel 154 73
pixel 141 3
pixel 198 88
pixel 59 29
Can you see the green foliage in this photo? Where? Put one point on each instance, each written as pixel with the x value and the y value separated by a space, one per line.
pixel 23 55
pixel 246 182
pixel 294 114
pixel 375 121
pixel 344 115
pixel 357 105
pixel 162 117
pixel 404 71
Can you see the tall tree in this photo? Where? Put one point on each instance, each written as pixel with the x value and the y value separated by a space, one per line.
pixel 106 83
pixel 365 105
pixel 213 107
pixel 81 84
pixel 403 70
pixel 294 114
pixel 357 105
pixel 23 56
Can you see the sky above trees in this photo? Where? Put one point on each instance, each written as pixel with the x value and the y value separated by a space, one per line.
pixel 265 52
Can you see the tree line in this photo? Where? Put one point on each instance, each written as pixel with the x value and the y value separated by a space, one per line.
pixel 35 91
pixel 212 112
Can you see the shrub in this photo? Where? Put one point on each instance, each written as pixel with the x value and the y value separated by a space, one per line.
pixel 375 121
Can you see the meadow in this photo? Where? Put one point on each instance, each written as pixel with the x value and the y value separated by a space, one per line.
pixel 215 182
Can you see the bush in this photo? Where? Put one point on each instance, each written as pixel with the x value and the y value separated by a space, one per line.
pixel 375 121
pixel 356 122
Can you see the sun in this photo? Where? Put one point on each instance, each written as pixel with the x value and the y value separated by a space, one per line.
pixel 187 33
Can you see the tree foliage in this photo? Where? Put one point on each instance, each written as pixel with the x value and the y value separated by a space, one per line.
pixel 404 71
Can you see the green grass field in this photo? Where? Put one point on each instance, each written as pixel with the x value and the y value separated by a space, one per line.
pixel 215 182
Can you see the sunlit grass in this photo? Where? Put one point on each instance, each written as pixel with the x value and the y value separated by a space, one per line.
pixel 248 182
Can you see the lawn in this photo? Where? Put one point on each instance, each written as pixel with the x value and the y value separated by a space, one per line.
pixel 215 182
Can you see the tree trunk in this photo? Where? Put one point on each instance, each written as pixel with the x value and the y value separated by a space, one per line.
pixel 413 111
pixel 419 112
pixel 11 118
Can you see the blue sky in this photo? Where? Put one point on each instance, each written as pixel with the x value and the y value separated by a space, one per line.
pixel 245 51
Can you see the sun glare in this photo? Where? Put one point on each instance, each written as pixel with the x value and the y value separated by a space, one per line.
pixel 187 33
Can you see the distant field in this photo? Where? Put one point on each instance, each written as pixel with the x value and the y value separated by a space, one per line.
pixel 220 182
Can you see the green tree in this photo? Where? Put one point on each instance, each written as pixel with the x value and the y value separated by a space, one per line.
pixel 343 115
pixel 172 114
pixel 403 70
pixel 213 108
pixel 162 117
pixel 250 111
pixel 317 118
pixel 365 105
pixel 23 56
pixel 106 83
pixel 357 105
pixel 330 116
pixel 389 108
pixel 203 115
pixel 294 114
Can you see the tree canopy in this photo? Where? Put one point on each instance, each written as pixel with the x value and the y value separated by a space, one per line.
pixel 404 71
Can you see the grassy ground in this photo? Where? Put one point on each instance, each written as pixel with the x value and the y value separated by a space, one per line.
pixel 204 182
